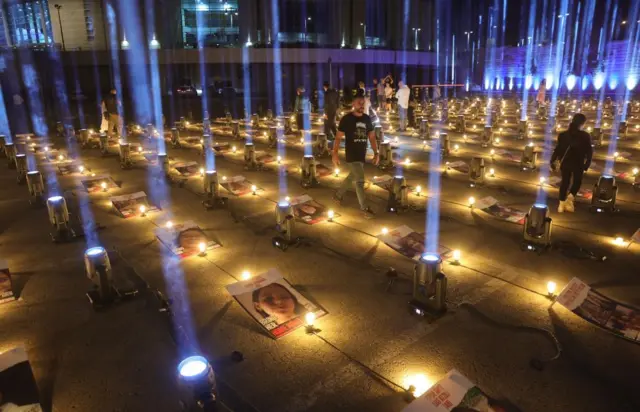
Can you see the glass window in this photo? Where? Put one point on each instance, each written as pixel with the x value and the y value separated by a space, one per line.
pixel 28 22
pixel 218 22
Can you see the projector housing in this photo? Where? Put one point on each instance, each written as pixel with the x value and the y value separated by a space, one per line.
pixel 605 192
pixel 537 229
pixel 429 291
pixel 308 172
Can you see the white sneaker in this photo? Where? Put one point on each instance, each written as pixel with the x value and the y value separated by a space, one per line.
pixel 569 206
pixel 562 206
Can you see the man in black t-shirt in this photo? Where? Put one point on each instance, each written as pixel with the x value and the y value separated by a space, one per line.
pixel 355 128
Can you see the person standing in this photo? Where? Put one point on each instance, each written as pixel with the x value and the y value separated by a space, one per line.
pixel 331 103
pixel 403 104
pixel 112 111
pixel 413 104
pixel 573 152
pixel 361 88
pixel 437 93
pixel 381 95
pixel 302 110
pixel 388 94
pixel 355 128
pixel 374 94
pixel 542 91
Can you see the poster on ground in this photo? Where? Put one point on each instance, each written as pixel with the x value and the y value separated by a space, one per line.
pixel 383 182
pixel 504 154
pixel 458 166
pixel 308 210
pixel 322 170
pixel 184 239
pixel 192 140
pixel 264 157
pixel 491 206
pixel 94 183
pixel 71 168
pixel 273 303
pixel 221 147
pixel 625 176
pixel 409 243
pixel 554 181
pixel 6 286
pixel 55 156
pixel 454 392
pixel 620 319
pixel 150 157
pixel 237 185
pixel 18 389
pixel 187 169
pixel 129 205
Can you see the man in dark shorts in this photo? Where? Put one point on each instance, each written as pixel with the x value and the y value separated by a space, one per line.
pixel 355 128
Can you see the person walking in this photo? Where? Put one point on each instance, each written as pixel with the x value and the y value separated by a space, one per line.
pixel 112 112
pixel 355 128
pixel 302 110
pixel 403 104
pixel 572 155
pixel 331 103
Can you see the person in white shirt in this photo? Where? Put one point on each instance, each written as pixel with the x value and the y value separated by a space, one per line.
pixel 403 104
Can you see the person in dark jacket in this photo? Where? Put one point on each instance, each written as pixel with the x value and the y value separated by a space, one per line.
pixel 574 152
pixel 331 104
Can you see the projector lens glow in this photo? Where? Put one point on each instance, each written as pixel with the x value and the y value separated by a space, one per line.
pixel 539 206
pixel 283 204
pixel 95 251
pixel 430 257
pixel 192 366
pixel 55 198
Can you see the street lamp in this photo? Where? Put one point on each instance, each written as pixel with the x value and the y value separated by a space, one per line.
pixel 364 33
pixel 415 36
pixel 308 19
pixel 58 7
pixel 468 33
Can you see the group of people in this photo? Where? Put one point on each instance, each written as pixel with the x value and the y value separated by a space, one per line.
pixel 572 154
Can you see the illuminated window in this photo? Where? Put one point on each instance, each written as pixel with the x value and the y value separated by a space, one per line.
pixel 88 20
pixel 218 20
pixel 28 22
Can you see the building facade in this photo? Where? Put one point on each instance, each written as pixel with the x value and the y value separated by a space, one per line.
pixel 45 23
pixel 351 24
